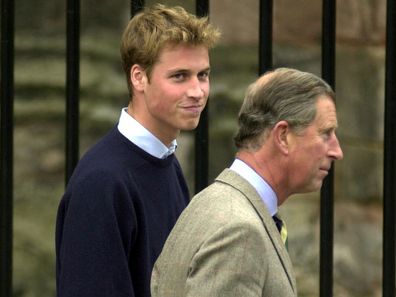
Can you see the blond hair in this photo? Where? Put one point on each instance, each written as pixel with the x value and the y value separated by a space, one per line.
pixel 154 28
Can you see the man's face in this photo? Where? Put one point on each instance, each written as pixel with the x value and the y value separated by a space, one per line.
pixel 313 150
pixel 177 91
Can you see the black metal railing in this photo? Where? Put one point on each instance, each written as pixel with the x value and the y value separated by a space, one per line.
pixel 327 191
pixel 6 146
pixel 72 85
pixel 390 155
pixel 265 36
pixel 201 171
pixel 136 6
pixel 201 136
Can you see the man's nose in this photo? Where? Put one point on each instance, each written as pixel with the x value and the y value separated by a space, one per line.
pixel 195 89
pixel 335 149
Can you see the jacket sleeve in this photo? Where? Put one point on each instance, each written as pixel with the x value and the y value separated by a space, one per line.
pixel 230 263
pixel 95 231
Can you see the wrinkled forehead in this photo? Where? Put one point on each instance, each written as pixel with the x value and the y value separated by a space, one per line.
pixel 326 114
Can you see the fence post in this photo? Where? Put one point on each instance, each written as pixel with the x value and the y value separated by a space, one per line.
pixel 136 6
pixel 72 85
pixel 265 36
pixel 202 131
pixel 390 155
pixel 6 145
pixel 327 192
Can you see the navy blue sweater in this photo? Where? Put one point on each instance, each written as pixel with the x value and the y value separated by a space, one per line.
pixel 114 218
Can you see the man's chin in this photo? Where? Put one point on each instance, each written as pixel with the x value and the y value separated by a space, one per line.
pixel 314 187
pixel 190 125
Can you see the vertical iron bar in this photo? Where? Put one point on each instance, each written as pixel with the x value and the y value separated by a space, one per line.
pixel 7 139
pixel 265 36
pixel 202 131
pixel 202 8
pixel 136 6
pixel 389 155
pixel 327 191
pixel 72 85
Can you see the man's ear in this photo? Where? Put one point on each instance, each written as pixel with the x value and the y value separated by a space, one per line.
pixel 281 133
pixel 138 77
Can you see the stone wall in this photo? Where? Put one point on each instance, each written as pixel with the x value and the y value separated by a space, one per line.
pixel 358 21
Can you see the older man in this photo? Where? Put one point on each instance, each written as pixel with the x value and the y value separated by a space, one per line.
pixel 229 241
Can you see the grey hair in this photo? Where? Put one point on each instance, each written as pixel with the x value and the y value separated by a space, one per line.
pixel 284 94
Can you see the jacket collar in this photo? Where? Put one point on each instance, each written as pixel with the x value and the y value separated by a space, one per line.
pixel 242 185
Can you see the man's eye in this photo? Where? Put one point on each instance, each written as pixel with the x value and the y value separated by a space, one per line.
pixel 203 75
pixel 327 134
pixel 179 76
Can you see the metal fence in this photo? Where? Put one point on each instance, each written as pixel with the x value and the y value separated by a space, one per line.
pixel 201 139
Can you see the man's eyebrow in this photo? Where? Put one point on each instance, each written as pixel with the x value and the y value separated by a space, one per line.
pixel 185 70
pixel 327 128
pixel 188 69
pixel 205 69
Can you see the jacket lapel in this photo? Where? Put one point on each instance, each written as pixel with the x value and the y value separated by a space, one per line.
pixel 236 181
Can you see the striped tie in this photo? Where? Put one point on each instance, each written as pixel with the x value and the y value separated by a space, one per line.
pixel 280 224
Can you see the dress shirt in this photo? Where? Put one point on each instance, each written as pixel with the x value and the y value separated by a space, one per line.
pixel 142 137
pixel 265 191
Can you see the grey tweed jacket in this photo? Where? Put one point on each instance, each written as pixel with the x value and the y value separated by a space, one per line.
pixel 225 243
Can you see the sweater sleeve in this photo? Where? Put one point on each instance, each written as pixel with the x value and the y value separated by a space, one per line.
pixel 96 226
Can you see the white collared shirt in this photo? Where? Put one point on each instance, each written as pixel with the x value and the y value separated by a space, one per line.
pixel 265 191
pixel 142 137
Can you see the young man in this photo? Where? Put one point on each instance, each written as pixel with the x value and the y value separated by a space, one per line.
pixel 127 192
pixel 228 241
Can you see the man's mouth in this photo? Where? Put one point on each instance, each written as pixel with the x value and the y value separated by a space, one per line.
pixel 196 108
pixel 325 170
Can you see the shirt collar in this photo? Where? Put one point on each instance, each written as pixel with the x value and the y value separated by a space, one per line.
pixel 265 191
pixel 142 137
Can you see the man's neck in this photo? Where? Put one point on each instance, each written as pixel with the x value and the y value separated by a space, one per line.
pixel 263 165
